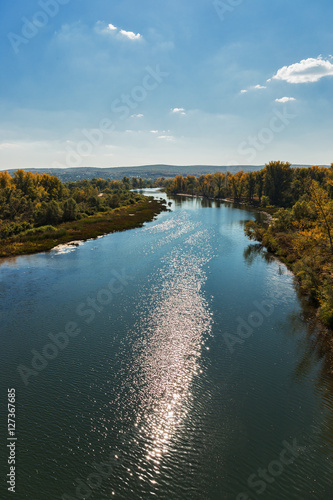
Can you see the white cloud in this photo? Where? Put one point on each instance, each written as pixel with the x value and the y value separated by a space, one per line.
pixel 180 111
pixel 308 70
pixel 131 35
pixel 140 115
pixel 168 138
pixel 111 29
pixel 254 87
pixel 154 131
pixel 285 99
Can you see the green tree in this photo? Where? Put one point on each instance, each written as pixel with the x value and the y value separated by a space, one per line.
pixel 278 177
pixel 70 210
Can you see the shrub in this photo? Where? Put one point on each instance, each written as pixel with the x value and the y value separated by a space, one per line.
pixel 264 201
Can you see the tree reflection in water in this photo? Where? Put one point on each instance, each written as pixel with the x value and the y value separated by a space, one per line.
pixel 315 346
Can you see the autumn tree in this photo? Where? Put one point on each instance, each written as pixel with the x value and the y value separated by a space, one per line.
pixel 324 208
pixel 250 183
pixel 219 180
pixel 237 185
pixel 260 179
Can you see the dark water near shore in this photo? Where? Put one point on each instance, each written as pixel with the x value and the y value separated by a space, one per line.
pixel 187 371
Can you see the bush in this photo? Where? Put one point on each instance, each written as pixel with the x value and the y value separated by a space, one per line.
pixel 264 201
pixel 39 230
pixel 13 228
pixel 301 210
pixel 283 220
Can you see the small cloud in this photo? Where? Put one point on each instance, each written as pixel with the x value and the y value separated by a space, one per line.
pixel 180 111
pixel 140 115
pixel 168 138
pixel 110 29
pixel 307 71
pixel 154 131
pixel 285 99
pixel 130 35
pixel 254 87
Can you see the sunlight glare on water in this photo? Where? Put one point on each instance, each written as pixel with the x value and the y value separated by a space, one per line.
pixel 172 335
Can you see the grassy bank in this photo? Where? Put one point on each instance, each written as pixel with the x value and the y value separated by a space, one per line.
pixel 45 238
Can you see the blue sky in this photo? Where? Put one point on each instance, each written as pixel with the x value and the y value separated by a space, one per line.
pixel 117 83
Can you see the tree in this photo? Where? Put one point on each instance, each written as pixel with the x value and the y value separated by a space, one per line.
pixel 219 180
pixel 250 183
pixel 126 181
pixel 5 180
pixel 277 182
pixel 259 176
pixel 190 183
pixel 48 213
pixel 70 210
pixel 178 184
pixel 237 184
pixel 324 208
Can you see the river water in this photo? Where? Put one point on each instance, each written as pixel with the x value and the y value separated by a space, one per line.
pixel 173 361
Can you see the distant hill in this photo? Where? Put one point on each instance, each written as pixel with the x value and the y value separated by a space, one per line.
pixel 146 171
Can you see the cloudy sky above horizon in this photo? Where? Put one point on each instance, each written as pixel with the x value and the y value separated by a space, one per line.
pixel 194 82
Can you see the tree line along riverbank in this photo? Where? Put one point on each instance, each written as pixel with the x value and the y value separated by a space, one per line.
pixel 39 212
pixel 300 230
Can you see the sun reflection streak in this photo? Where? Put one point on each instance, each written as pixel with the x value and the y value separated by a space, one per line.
pixel 167 356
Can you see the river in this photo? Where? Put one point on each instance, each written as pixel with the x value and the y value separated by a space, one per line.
pixel 173 361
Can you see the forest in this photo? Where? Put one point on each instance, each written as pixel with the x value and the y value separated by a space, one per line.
pixel 38 211
pixel 300 226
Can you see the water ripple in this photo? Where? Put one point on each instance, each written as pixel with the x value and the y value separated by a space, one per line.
pixel 167 353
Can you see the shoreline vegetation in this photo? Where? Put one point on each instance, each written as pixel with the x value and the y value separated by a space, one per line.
pixel 39 213
pixel 298 228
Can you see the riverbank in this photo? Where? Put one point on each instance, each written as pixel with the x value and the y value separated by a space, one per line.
pixel 46 238
pixel 304 250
